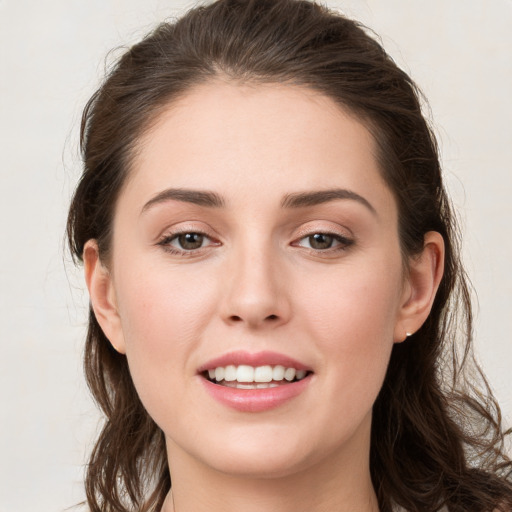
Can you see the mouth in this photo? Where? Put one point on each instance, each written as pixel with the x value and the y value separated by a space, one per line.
pixel 244 376
pixel 255 382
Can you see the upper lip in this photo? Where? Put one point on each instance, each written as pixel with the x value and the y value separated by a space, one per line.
pixel 253 359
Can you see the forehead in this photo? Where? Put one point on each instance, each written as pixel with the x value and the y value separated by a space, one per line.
pixel 244 139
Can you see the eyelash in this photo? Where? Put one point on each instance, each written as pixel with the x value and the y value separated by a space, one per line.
pixel 165 243
pixel 343 242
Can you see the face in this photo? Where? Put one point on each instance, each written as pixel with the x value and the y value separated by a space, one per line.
pixel 255 236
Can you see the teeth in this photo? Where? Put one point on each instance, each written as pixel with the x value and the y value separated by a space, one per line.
pixel 289 374
pixel 264 385
pixel 219 373
pixel 299 374
pixel 243 376
pixel 245 386
pixel 244 373
pixel 230 373
pixel 263 374
pixel 278 372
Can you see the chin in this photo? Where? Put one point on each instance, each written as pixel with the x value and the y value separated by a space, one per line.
pixel 261 466
pixel 265 453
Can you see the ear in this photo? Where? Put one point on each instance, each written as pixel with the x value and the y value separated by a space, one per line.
pixel 420 288
pixel 102 294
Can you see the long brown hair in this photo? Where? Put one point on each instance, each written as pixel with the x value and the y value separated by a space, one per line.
pixel 437 438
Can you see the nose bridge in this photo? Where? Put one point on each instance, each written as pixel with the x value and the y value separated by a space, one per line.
pixel 255 294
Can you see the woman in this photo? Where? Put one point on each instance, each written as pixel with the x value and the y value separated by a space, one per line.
pixel 274 278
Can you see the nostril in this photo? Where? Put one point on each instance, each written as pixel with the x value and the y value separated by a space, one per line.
pixel 236 318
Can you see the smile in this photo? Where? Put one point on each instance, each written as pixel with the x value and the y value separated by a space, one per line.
pixel 255 382
pixel 249 377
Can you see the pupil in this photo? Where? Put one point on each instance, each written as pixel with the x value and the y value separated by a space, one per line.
pixel 191 240
pixel 320 241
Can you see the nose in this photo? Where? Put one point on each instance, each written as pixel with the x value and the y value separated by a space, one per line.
pixel 256 293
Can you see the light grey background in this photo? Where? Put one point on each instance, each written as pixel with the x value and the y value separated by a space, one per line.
pixel 51 57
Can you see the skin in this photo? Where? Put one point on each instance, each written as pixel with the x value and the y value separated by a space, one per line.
pixel 257 284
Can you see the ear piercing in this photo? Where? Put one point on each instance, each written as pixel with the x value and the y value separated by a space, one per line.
pixel 407 335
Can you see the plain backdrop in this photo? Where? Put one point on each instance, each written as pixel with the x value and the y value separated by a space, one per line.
pixel 51 59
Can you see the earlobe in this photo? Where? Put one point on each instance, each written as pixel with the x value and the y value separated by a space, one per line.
pixel 425 274
pixel 102 295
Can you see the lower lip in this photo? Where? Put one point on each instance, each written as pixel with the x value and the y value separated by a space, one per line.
pixel 256 400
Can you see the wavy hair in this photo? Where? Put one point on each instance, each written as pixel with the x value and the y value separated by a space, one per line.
pixel 437 439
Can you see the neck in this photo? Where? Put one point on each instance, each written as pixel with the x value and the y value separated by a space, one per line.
pixel 338 482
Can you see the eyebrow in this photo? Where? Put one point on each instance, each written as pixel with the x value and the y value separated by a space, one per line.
pixel 199 197
pixel 304 199
pixel 295 200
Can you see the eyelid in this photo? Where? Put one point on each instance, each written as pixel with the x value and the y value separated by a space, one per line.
pixel 342 240
pixel 172 232
pixel 186 227
pixel 328 228
pixel 344 237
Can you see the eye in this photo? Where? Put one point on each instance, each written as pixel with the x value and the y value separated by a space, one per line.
pixel 324 241
pixel 189 241
pixel 185 242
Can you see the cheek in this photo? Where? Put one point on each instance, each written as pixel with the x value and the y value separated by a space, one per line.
pixel 352 318
pixel 163 315
pixel 162 307
pixel 354 303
